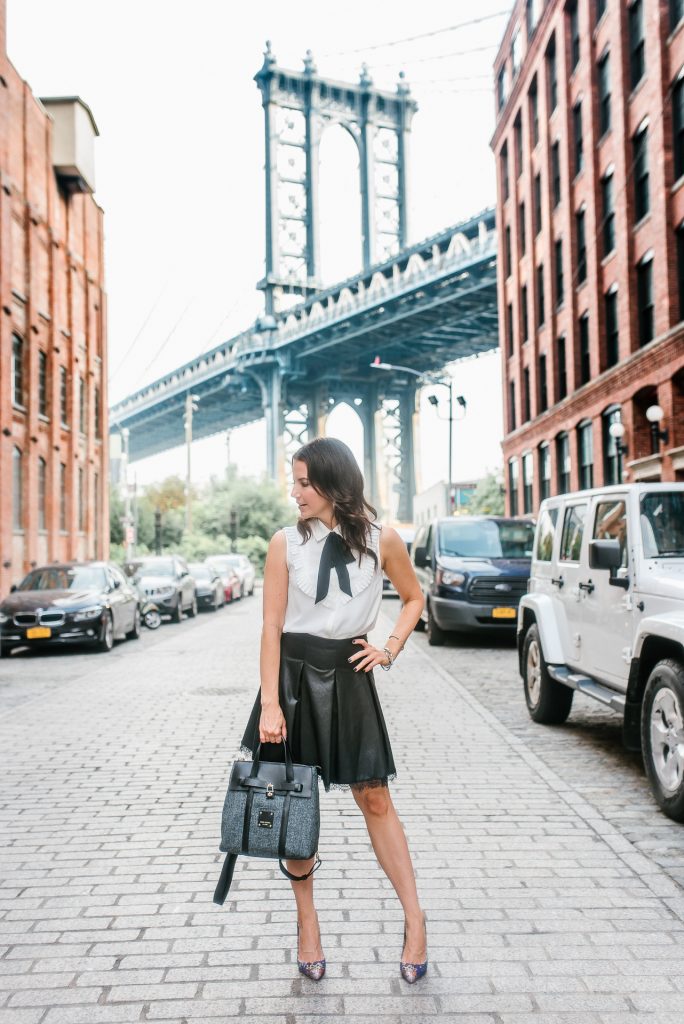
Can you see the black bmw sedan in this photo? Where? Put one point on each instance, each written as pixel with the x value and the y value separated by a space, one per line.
pixel 70 603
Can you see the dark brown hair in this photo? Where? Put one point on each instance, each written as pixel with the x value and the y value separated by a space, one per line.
pixel 333 472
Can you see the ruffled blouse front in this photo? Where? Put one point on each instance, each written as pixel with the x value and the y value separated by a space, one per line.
pixel 338 615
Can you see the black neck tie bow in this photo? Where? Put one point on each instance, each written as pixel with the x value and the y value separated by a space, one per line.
pixel 335 555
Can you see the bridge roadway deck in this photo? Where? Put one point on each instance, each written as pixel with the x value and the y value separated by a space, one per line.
pixel 536 851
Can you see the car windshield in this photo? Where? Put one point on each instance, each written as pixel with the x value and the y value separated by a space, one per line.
pixel 78 577
pixel 164 567
pixel 662 524
pixel 486 539
pixel 200 572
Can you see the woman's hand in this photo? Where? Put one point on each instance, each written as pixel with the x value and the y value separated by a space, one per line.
pixel 369 657
pixel 272 728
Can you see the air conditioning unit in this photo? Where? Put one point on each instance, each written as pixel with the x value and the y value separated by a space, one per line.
pixel 73 142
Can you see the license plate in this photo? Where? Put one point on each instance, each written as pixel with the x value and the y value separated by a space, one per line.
pixel 38 633
pixel 504 613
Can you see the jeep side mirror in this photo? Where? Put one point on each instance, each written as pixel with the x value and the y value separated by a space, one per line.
pixel 420 557
pixel 13 588
pixel 605 554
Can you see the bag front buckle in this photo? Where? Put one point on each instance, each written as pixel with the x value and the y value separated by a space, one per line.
pixel 269 790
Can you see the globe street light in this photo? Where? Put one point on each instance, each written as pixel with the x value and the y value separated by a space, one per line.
pixel 428 380
pixel 654 415
pixel 617 432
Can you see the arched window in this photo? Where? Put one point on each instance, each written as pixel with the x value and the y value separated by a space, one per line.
pixel 563 462
pixel 513 485
pixel 17 489
pixel 585 448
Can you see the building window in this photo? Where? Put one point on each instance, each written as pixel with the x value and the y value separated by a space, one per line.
pixel 537 204
pixel 600 9
pixel 81 499
pixel 561 368
pixel 504 171
pixel 523 313
pixel 541 313
pixel 509 328
pixel 552 74
pixel 645 299
pixel 612 334
pixel 81 405
pixel 640 164
pixel 518 136
pixel 604 93
pixel 611 462
pixel 531 16
pixel 516 53
pixel 563 462
pixel 528 478
pixel 523 232
pixel 607 192
pixel 555 173
pixel 507 251
pixel 637 45
pixel 574 36
pixel 559 271
pixel 543 388
pixel 577 135
pixel 676 13
pixel 512 419
pixel 527 412
pixel 513 485
pixel 581 247
pixel 501 88
pixel 42 383
pixel 42 481
pixel 534 111
pixel 680 268
pixel 585 361
pixel 678 127
pixel 544 470
pixel 17 370
pixel 63 402
pixel 17 489
pixel 62 496
pixel 97 413
pixel 585 446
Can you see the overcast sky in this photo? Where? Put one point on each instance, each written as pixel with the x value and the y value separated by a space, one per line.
pixel 179 166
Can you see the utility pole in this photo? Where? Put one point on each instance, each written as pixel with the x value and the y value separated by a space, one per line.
pixel 190 407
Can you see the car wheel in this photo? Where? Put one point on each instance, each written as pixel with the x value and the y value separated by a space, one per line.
pixel 134 633
pixel 192 610
pixel 435 635
pixel 177 614
pixel 662 736
pixel 153 619
pixel 548 702
pixel 251 591
pixel 106 641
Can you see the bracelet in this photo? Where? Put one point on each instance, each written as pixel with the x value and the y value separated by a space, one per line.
pixel 393 636
pixel 389 654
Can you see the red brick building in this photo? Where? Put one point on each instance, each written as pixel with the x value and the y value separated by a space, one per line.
pixel 53 383
pixel 589 145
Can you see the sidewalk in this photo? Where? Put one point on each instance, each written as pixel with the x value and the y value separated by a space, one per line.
pixel 111 793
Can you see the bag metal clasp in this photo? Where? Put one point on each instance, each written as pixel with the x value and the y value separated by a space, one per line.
pixel 269 790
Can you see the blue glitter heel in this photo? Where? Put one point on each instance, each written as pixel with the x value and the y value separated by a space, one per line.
pixel 412 972
pixel 314 969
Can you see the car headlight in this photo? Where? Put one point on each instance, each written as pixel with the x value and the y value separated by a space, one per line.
pixel 88 613
pixel 4 618
pixel 450 579
pixel 166 591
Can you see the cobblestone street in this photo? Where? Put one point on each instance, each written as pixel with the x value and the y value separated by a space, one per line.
pixel 551 882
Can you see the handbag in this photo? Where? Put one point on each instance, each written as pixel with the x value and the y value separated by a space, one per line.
pixel 271 809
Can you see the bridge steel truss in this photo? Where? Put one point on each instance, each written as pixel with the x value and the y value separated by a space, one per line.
pixel 432 303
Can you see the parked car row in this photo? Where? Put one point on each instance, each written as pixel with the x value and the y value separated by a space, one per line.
pixel 95 603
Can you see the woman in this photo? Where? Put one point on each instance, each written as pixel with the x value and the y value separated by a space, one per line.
pixel 322 594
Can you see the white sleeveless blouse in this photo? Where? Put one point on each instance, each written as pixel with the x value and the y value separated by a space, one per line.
pixel 338 616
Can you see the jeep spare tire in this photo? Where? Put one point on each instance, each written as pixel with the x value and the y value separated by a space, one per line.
pixel 548 702
pixel 662 735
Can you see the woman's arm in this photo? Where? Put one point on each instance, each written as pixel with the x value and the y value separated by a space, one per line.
pixel 272 721
pixel 397 565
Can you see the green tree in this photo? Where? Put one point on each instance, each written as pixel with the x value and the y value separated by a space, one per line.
pixel 257 506
pixel 488 498
pixel 116 511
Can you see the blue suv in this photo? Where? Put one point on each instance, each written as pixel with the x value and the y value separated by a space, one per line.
pixel 473 570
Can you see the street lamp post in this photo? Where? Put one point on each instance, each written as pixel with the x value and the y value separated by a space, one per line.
pixel 428 380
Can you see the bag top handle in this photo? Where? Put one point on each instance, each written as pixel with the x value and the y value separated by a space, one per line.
pixel 289 770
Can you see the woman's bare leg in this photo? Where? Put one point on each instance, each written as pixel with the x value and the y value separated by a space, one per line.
pixel 389 843
pixel 310 948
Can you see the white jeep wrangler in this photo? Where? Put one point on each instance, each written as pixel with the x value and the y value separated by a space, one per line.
pixel 605 615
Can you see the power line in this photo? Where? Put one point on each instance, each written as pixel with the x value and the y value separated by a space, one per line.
pixel 439 56
pixel 144 324
pixel 422 35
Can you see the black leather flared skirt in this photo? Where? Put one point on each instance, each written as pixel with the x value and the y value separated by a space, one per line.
pixel 333 714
